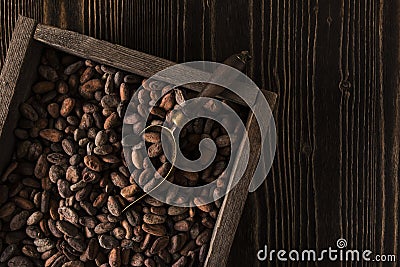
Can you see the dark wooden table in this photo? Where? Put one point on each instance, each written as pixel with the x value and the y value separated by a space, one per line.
pixel 335 66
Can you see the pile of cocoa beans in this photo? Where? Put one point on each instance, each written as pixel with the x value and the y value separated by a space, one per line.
pixel 62 196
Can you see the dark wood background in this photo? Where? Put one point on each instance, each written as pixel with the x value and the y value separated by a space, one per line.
pixel 335 66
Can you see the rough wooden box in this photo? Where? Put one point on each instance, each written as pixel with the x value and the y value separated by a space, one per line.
pixel 19 72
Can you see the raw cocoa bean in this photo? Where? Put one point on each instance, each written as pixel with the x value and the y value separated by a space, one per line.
pixel 180 262
pixel 48 73
pixel 108 242
pixel 34 218
pixel 43 87
pixel 177 243
pixel 103 228
pixel 67 106
pixel 68 215
pixel 54 110
pixel 62 88
pixel 155 150
pixel 156 229
pixel 203 237
pixel 67 228
pixel 73 264
pixel 93 163
pixel 30 251
pixel 73 68
pixel 114 258
pixel 100 200
pixel 52 135
pixel 76 243
pixel 173 210
pixel 69 147
pixel 92 86
pixel 159 244
pixel 28 112
pixel 182 226
pixel 119 180
pixel 112 121
pixel 129 191
pixel 23 203
pixel 92 249
pixel 200 204
pixel 41 167
pixel 153 219
pixel 19 220
pixel 103 150
pixel 131 78
pixel 152 137
pixel 113 206
pixel 57 158
pixel 55 173
pixel 167 101
pixel 137 260
pixel 19 261
pixel 33 231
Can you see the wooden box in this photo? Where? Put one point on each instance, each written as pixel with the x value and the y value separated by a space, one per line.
pixel 19 73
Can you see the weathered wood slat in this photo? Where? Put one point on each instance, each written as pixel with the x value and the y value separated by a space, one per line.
pixel 336 168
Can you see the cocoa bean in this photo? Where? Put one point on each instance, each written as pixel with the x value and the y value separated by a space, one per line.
pixel 159 244
pixel 113 206
pixel 93 163
pixel 41 167
pixel 155 150
pixel 129 191
pixel 19 220
pixel 92 86
pixel 48 73
pixel 43 87
pixel 153 219
pixel 28 112
pixel 54 110
pixel 108 242
pixel 114 258
pixel 52 135
pixel 156 229
pixel 173 210
pixel 152 137
pixel 19 261
pixel 34 218
pixel 112 121
pixel 68 215
pixel 55 173
pixel 67 228
pixel 73 68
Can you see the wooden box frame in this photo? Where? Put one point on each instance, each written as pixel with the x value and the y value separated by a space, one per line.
pixel 19 72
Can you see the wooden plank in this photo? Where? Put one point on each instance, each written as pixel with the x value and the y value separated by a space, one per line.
pixel 126 59
pixel 15 80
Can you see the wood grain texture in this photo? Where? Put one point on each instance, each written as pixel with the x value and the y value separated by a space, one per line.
pixel 335 65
